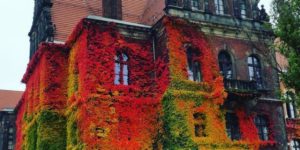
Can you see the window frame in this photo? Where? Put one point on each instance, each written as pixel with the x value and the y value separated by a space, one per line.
pixel 199 124
pixel 257 70
pixel 243 11
pixel 262 124
pixel 219 7
pixel 225 61
pixel 199 6
pixel 120 64
pixel 295 144
pixel 232 126
pixel 290 104
pixel 193 65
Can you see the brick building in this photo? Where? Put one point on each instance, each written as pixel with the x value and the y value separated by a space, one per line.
pixel 150 74
pixel 8 103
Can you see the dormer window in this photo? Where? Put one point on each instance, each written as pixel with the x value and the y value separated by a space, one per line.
pixel 112 9
pixel 219 5
pixel 193 68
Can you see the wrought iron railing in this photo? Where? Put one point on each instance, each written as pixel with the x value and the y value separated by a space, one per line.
pixel 240 85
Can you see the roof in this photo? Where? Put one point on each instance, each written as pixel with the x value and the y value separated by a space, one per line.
pixel 9 99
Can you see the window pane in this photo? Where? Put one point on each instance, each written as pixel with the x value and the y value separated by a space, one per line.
pixel 195 4
pixel 193 67
pixel 125 80
pixel 225 65
pixel 117 68
pixel 292 111
pixel 257 73
pixel 255 61
pixel 125 70
pixel 117 58
pixel 232 126
pixel 250 60
pixel 229 74
pixel 125 74
pixel 190 74
pixel 117 79
pixel 125 57
pixel 262 126
pixel 293 144
pixel 243 9
pixel 251 73
pixel 197 72
pixel 11 130
pixel 117 73
pixel 265 129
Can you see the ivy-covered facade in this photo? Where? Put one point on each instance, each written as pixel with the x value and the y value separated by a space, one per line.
pixel 193 80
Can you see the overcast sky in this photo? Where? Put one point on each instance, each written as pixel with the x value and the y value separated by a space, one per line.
pixel 16 19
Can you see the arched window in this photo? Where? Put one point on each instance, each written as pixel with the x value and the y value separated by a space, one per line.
pixel 121 69
pixel 225 65
pixel 193 68
pixel 219 5
pixel 254 68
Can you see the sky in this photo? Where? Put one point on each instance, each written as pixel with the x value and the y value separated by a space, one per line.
pixel 15 24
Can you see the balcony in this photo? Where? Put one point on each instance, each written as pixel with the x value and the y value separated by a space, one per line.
pixel 241 86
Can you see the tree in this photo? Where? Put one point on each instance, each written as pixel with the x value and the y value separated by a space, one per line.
pixel 286 14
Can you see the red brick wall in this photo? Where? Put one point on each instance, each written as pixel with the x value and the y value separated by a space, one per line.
pixel 153 11
pixel 239 50
pixel 67 13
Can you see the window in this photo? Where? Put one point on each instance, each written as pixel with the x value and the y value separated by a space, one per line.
pixel 240 8
pixel 243 8
pixel 175 2
pixel 219 5
pixel 121 69
pixel 232 126
pixel 206 6
pixel 112 9
pixel 193 68
pixel 199 122
pixel 254 69
pixel 295 145
pixel 11 130
pixel 261 123
pixel 225 65
pixel 290 105
pixel 195 5
pixel 10 145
